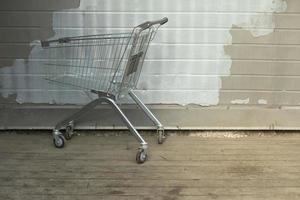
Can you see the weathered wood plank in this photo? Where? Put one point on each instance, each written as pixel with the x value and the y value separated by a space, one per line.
pixel 209 196
pixel 171 174
pixel 95 167
pixel 88 189
pixel 167 156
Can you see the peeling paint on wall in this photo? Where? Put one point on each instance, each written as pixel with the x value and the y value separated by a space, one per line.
pixel 18 76
pixel 262 102
pixel 264 62
pixel 263 23
pixel 240 101
pixel 203 59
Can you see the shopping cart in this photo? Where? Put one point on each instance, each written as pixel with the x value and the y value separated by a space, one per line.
pixel 108 65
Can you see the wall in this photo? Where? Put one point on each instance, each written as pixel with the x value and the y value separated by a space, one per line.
pixel 212 52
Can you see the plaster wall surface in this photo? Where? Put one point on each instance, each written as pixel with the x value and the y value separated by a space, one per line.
pixel 212 52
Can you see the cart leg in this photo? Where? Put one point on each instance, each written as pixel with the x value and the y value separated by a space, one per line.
pixel 141 155
pixel 79 113
pixel 160 127
pixel 58 137
pixel 127 122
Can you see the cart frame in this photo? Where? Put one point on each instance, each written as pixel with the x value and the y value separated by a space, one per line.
pixel 134 63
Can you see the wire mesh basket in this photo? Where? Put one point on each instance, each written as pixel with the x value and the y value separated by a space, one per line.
pixel 110 63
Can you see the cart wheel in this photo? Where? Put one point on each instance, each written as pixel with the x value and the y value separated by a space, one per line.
pixel 59 142
pixel 141 156
pixel 161 137
pixel 69 132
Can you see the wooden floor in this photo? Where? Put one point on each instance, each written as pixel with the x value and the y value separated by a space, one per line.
pixel 183 168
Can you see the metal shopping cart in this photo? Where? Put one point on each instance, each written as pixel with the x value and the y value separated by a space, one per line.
pixel 108 65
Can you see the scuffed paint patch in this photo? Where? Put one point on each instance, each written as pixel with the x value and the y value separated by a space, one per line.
pixel 279 6
pixel 263 23
pixel 263 37
pixel 180 97
pixel 214 134
pixel 240 101
pixel 18 77
pixel 262 102
pixel 18 64
pixel 266 21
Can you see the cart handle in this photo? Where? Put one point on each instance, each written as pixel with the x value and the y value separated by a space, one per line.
pixel 148 24
pixel 143 26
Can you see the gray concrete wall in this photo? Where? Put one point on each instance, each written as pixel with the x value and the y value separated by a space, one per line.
pixel 212 52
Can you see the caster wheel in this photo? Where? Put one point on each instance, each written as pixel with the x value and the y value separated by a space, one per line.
pixel 141 156
pixel 69 132
pixel 59 142
pixel 161 137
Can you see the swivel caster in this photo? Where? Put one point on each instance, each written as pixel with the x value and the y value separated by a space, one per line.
pixel 141 156
pixel 69 131
pixel 161 136
pixel 59 141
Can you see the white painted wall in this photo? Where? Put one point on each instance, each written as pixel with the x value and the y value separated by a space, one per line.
pixel 185 62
